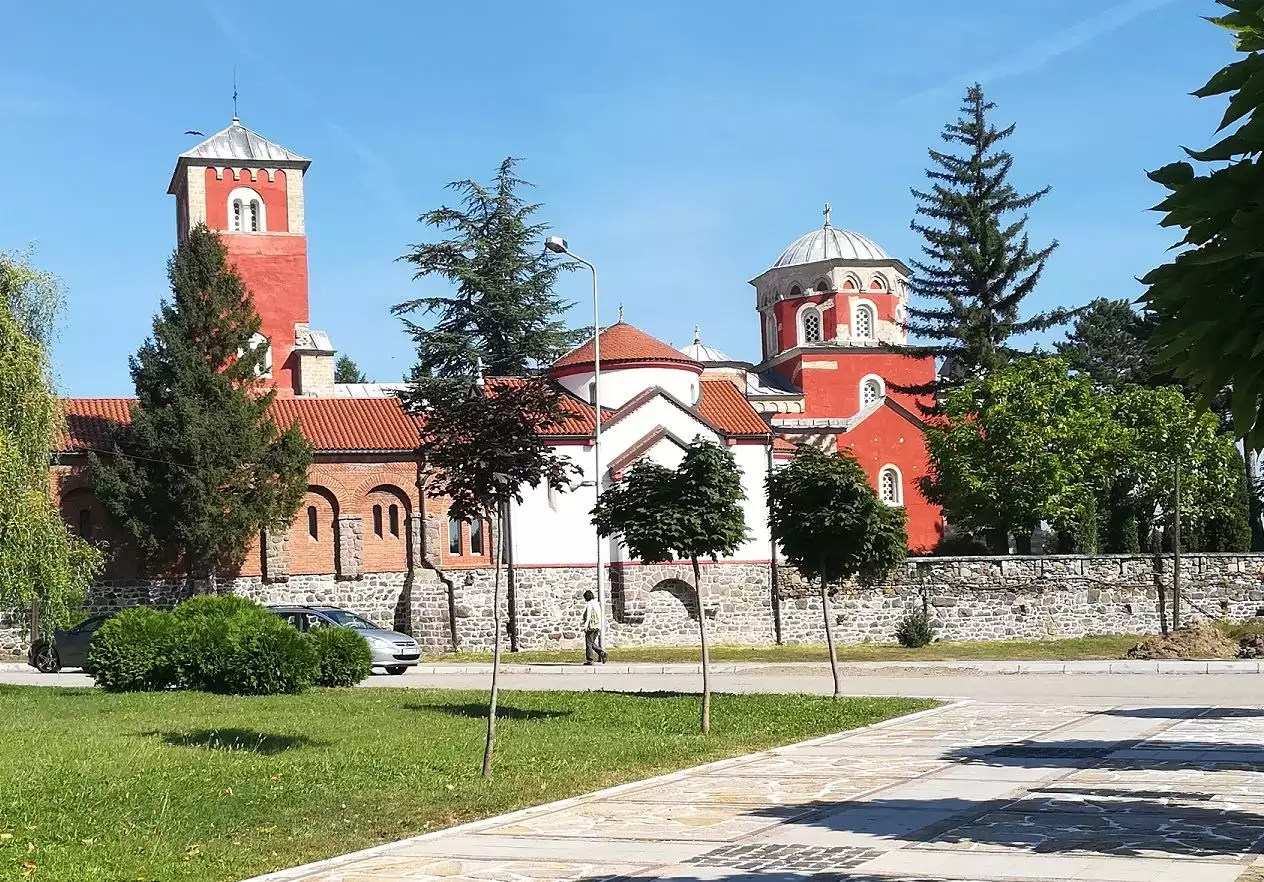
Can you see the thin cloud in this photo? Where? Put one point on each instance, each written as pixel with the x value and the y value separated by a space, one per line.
pixel 1040 54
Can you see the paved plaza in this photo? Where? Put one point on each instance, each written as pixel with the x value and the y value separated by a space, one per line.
pixel 972 791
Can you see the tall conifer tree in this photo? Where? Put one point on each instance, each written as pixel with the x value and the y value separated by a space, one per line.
pixel 978 263
pixel 202 468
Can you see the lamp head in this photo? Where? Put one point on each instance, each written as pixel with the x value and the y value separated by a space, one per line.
pixel 556 244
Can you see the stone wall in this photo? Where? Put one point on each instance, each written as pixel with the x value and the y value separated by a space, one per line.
pixel 967 598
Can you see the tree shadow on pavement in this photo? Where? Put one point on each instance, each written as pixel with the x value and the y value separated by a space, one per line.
pixel 1178 713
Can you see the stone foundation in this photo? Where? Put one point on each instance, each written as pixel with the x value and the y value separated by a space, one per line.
pixel 967 598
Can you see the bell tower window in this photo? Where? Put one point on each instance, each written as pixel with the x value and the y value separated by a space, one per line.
pixel 863 322
pixel 247 212
pixel 810 326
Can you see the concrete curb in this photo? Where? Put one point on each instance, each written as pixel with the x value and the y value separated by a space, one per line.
pixel 853 669
pixel 866 668
pixel 299 872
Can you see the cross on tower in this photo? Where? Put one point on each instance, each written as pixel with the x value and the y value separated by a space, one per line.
pixel 826 212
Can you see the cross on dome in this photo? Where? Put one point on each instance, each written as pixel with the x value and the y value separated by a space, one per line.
pixel 826 212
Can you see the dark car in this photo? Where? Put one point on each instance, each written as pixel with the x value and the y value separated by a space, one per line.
pixel 64 649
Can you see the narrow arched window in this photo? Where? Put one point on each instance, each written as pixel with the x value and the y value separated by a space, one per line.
pixel 796 291
pixel 476 536
pixel 235 224
pixel 313 525
pixel 592 391
pixel 864 322
pixel 254 215
pixel 822 286
pixel 870 391
pixel 770 332
pixel 889 490
pixel 810 325
pixel 454 536
pixel 85 523
pixel 394 512
pixel 377 521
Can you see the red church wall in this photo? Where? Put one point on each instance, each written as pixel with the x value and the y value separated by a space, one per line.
pixel 835 391
pixel 274 268
pixel 887 438
pixel 273 193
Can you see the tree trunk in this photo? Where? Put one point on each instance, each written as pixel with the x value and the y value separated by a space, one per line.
pixel 828 612
pixel 491 705
pixel 35 621
pixel 511 586
pixel 706 652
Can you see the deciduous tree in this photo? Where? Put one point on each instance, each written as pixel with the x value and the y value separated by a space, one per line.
pixel 831 526
pixel 691 512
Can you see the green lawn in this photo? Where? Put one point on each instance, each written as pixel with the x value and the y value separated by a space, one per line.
pixel 181 786
pixel 1110 646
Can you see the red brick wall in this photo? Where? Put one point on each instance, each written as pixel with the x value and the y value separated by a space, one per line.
pixel 384 512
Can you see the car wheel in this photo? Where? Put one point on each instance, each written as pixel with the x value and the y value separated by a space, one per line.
pixel 46 659
pixel 396 669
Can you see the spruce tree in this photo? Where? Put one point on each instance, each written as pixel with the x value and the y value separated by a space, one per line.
pixel 347 371
pixel 503 309
pixel 978 263
pixel 202 468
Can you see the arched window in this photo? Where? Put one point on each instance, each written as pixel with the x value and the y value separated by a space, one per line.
pixel 770 334
pixel 592 391
pixel 377 521
pixel 863 322
pixel 822 286
pixel 394 512
pixel 849 285
pixel 476 536
pixel 454 536
pixel 810 325
pixel 247 212
pixel 85 523
pixel 796 291
pixel 313 523
pixel 890 490
pixel 870 391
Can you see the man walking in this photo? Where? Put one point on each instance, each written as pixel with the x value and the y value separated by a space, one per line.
pixel 592 630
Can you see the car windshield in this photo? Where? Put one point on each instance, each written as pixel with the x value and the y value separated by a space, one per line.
pixel 350 620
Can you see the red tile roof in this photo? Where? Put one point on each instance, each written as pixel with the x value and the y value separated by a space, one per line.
pixel 330 424
pixel 579 414
pixel 622 343
pixel 722 405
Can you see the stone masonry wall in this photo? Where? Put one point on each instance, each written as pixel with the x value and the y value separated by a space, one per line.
pixel 967 598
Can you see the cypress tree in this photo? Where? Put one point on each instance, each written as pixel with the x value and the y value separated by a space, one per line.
pixel 978 263
pixel 202 468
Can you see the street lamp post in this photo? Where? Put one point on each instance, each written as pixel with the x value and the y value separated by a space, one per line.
pixel 558 245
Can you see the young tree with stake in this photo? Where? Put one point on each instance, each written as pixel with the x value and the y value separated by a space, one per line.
pixel 691 512
pixel 831 526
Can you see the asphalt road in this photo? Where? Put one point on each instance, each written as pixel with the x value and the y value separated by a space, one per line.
pixel 1039 689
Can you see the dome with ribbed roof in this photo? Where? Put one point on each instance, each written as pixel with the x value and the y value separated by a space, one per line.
pixel 830 243
pixel 700 352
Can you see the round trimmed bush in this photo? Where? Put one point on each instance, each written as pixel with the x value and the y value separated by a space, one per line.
pixel 343 656
pixel 231 645
pixel 132 651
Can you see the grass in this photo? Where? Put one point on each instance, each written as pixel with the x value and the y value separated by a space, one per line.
pixel 1109 646
pixel 185 787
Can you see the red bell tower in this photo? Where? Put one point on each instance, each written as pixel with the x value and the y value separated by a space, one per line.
pixel 250 191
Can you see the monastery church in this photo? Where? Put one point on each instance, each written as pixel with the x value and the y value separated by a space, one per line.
pixel 828 312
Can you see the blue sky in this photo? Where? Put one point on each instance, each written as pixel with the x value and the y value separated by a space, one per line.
pixel 679 146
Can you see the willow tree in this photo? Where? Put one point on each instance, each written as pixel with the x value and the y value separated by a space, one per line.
pixel 42 565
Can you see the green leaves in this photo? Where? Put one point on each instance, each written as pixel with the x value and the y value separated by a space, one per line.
pixel 830 523
pixel 1209 299
pixel 691 512
pixel 202 468
pixel 39 558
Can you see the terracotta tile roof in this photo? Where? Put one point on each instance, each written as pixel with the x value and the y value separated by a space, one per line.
pixel 783 449
pixel 580 418
pixel 621 343
pixel 367 424
pixel 722 405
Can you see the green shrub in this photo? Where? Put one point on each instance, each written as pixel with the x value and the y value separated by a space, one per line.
pixel 343 656
pixel 961 545
pixel 133 651
pixel 230 645
pixel 915 630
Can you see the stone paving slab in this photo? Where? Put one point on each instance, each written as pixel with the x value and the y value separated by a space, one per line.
pixel 970 792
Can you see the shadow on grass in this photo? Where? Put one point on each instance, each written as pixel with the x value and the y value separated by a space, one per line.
pixel 247 740
pixel 478 711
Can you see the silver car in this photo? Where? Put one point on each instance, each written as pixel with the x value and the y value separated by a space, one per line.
pixel 391 650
